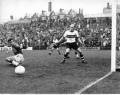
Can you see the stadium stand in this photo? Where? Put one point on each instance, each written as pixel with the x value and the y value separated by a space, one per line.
pixel 37 32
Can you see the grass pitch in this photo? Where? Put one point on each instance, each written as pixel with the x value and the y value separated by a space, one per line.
pixel 45 75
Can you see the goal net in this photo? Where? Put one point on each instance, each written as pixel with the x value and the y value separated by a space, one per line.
pixel 116 34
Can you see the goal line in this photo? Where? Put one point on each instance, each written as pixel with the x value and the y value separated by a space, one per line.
pixel 93 83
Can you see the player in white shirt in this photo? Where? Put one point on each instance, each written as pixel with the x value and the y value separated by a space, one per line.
pixel 72 39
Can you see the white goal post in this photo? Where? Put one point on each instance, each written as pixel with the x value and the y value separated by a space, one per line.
pixel 113 44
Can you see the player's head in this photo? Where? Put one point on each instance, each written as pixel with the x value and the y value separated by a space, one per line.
pixel 71 27
pixel 10 40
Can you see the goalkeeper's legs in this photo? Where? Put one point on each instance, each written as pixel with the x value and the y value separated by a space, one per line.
pixel 15 60
pixel 66 55
pixel 11 61
pixel 81 56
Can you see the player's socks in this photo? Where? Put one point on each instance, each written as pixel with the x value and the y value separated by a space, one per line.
pixel 83 61
pixel 75 53
pixel 66 55
pixel 63 61
pixel 51 51
pixel 82 58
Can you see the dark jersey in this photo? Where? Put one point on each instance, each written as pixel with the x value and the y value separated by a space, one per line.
pixel 16 49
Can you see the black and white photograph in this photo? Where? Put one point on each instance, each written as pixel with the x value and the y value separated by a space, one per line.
pixel 59 46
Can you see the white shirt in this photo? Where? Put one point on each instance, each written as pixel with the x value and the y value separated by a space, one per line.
pixel 71 36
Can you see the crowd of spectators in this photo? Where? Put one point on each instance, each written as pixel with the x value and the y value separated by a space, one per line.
pixel 39 33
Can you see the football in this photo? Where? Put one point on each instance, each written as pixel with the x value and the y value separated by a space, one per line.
pixel 20 69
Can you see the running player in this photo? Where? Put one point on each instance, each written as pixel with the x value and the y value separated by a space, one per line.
pixel 73 41
pixel 18 58
pixel 55 40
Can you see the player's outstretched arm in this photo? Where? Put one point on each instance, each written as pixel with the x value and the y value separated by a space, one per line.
pixel 62 40
pixel 57 44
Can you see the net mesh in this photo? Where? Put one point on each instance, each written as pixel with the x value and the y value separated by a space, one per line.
pixel 118 34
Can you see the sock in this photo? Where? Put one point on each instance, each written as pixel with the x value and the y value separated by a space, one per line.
pixel 75 53
pixel 66 55
pixel 81 56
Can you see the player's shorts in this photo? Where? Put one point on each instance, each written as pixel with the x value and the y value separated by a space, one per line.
pixel 72 45
pixel 18 58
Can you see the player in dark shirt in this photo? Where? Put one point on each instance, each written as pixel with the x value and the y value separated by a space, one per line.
pixel 18 55
pixel 15 47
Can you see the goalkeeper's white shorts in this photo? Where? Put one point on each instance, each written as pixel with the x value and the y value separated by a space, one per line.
pixel 18 58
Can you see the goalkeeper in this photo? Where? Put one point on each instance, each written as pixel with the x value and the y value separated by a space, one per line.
pixel 17 58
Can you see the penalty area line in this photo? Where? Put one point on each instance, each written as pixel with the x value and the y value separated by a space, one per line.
pixel 92 83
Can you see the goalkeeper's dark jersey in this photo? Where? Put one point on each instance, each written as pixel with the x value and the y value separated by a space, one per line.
pixel 16 49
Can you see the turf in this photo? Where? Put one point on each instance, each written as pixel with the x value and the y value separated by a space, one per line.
pixel 110 85
pixel 45 75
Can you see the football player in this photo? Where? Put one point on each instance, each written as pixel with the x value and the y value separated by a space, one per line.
pixel 73 41
pixel 52 48
pixel 17 58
